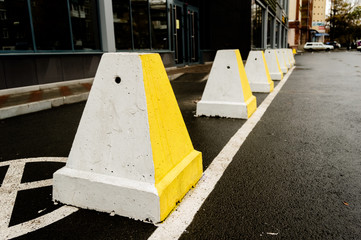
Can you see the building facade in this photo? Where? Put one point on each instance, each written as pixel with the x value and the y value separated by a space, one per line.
pixel 294 24
pixel 51 41
pixel 319 21
pixel 306 21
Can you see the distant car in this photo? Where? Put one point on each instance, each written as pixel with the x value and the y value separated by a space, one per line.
pixel 358 45
pixel 335 44
pixel 317 46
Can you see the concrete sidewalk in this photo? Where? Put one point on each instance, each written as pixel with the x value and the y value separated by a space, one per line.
pixel 19 101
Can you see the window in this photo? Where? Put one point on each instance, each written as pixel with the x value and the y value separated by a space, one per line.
pixel 84 23
pixel 51 24
pixel 256 30
pixel 122 25
pixel 140 24
pixel 277 45
pixel 159 24
pixel 15 28
pixel 270 31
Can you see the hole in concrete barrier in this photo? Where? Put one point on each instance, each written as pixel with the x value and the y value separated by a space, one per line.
pixel 255 59
pixel 117 80
pixel 228 67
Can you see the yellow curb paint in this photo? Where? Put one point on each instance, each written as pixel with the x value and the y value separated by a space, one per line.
pixel 177 166
pixel 267 73
pixel 249 99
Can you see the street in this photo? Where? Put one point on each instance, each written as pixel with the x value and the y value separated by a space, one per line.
pixel 296 176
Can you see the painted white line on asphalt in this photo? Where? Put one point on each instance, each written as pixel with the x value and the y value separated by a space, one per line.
pixel 7 196
pixel 176 223
pixel 8 191
pixel 40 222
pixel 29 160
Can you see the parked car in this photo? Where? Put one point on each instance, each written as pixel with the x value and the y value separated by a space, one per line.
pixel 358 45
pixel 317 46
pixel 335 44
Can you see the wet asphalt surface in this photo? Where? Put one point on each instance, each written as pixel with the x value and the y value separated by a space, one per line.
pixel 297 176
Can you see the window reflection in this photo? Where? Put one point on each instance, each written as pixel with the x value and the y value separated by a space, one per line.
pixel 140 24
pixel 256 22
pixel 277 35
pixel 51 24
pixel 122 28
pixel 159 24
pixel 15 28
pixel 84 23
pixel 269 31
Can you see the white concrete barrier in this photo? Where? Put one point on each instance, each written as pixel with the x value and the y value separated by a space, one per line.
pixel 257 72
pixel 273 64
pixel 132 154
pixel 227 92
pixel 287 58
pixel 290 56
pixel 282 60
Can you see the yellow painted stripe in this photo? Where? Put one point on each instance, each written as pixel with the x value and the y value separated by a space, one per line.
pixel 249 99
pixel 177 166
pixel 278 64
pixel 267 73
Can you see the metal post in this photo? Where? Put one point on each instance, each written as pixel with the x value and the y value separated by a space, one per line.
pixel 107 25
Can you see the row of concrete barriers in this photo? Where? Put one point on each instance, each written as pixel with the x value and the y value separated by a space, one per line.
pixel 229 88
pixel 132 154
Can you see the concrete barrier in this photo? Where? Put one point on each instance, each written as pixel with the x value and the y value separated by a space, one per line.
pixel 282 60
pixel 227 92
pixel 273 64
pixel 257 72
pixel 290 56
pixel 132 154
pixel 287 58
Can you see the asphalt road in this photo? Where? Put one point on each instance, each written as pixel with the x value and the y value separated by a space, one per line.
pixel 297 176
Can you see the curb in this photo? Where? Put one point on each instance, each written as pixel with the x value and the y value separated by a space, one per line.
pixel 22 109
pixel 19 90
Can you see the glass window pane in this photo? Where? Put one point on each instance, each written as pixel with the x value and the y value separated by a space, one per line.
pixel 15 31
pixel 269 31
pixel 84 23
pixel 51 24
pixel 140 24
pixel 277 35
pixel 159 24
pixel 122 27
pixel 256 26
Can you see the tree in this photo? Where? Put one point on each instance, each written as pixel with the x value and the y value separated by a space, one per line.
pixel 344 21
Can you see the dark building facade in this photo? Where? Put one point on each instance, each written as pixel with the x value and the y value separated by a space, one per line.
pixel 51 41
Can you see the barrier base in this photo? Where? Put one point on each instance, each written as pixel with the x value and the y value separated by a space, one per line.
pixel 276 76
pixel 227 109
pixel 284 69
pixel 125 197
pixel 138 200
pixel 178 182
pixel 262 87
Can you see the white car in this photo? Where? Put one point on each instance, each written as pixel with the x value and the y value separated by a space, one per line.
pixel 317 46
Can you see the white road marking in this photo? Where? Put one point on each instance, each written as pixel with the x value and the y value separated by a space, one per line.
pixel 174 226
pixel 8 191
